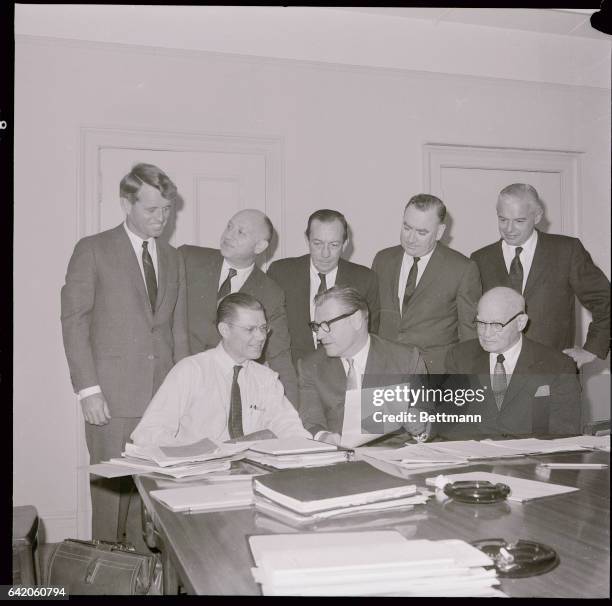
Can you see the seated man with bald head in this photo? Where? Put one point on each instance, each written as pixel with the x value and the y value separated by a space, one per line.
pixel 222 393
pixel 530 388
pixel 210 274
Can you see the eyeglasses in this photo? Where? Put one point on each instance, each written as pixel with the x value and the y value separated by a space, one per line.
pixel 495 326
pixel 264 328
pixel 314 326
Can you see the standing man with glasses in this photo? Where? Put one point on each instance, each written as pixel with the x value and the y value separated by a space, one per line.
pixel 531 389
pixel 222 393
pixel 124 327
pixel 213 273
pixel 350 358
pixel 549 270
pixel 428 292
pixel 302 278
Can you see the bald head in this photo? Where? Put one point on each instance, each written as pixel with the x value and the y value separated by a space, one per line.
pixel 501 319
pixel 247 234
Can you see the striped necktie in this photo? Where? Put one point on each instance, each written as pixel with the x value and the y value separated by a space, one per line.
pixel 149 273
pixel 234 424
pixel 516 271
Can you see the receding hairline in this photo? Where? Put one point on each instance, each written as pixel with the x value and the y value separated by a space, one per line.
pixel 262 221
pixel 507 300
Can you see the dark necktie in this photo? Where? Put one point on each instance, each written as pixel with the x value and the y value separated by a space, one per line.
pixel 516 271
pixel 322 285
pixel 499 382
pixel 226 287
pixel 234 424
pixel 410 283
pixel 149 272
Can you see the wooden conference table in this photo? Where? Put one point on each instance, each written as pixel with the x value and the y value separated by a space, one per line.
pixel 209 552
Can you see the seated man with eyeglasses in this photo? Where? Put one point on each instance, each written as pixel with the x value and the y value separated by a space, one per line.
pixel 530 388
pixel 350 358
pixel 222 393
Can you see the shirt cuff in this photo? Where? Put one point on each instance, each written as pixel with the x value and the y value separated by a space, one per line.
pixel 320 434
pixel 89 391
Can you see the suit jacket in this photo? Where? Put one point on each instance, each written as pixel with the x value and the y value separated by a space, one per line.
pixel 543 396
pixel 293 276
pixel 442 309
pixel 111 336
pixel 322 380
pixel 561 268
pixel 202 271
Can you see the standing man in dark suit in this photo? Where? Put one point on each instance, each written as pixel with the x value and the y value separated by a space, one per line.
pixel 428 292
pixel 124 327
pixel 549 270
pixel 529 388
pixel 211 274
pixel 302 278
pixel 350 358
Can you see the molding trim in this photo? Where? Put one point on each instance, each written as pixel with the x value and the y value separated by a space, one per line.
pixel 565 163
pixel 293 63
pixel 59 525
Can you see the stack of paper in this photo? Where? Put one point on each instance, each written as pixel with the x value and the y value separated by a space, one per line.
pixel 131 466
pixel 210 497
pixel 414 456
pixel 294 452
pixel 520 490
pixel 535 446
pixel 369 563
pixel 590 442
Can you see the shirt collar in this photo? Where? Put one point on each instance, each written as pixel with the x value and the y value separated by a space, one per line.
pixel 528 246
pixel 512 353
pixel 409 258
pixel 361 357
pixel 137 240
pixel 244 270
pixel 314 272
pixel 226 361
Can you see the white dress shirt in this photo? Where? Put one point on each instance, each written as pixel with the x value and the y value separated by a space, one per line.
pixel 510 358
pixel 526 255
pixel 407 262
pixel 315 282
pixel 360 359
pixel 238 280
pixel 193 402
pixel 136 242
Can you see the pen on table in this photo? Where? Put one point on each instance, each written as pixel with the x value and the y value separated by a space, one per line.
pixel 574 465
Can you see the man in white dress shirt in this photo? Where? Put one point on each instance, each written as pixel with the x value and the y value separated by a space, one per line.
pixel 350 358
pixel 222 393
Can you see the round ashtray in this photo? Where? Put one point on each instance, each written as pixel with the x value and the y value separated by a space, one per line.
pixel 481 492
pixel 519 559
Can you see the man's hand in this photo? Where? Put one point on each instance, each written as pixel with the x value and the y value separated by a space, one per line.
pixel 579 355
pixel 330 438
pixel 95 409
pixel 419 430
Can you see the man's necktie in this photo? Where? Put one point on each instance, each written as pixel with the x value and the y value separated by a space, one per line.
pixel 322 285
pixel 516 271
pixel 234 424
pixel 352 381
pixel 499 382
pixel 226 287
pixel 411 283
pixel 149 272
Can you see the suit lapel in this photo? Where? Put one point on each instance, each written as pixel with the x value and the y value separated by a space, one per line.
pixel 127 257
pixel 162 276
pixel 521 376
pixel 251 284
pixel 542 259
pixel 334 377
pixel 302 288
pixel 396 266
pixel 433 271
pixel 499 265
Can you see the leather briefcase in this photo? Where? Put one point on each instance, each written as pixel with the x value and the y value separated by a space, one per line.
pixel 103 568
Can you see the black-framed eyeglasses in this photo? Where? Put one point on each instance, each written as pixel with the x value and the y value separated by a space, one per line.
pixel 495 326
pixel 264 328
pixel 314 326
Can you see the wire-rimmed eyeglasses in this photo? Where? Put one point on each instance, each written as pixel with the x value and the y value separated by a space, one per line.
pixel 495 326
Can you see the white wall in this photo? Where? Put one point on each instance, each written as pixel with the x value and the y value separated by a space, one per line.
pixel 352 141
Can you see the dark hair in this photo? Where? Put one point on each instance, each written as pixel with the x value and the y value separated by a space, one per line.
pixel 522 190
pixel 325 215
pixel 229 305
pixel 151 175
pixel 427 201
pixel 350 298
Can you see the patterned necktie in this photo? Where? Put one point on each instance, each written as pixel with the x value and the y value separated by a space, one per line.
pixel 352 381
pixel 322 285
pixel 149 272
pixel 516 271
pixel 499 383
pixel 234 424
pixel 410 283
pixel 226 287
